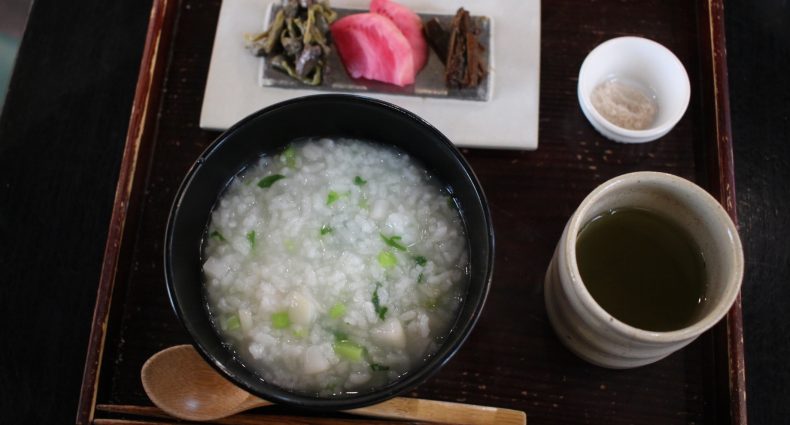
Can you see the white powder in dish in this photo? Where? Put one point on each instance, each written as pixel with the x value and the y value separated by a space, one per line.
pixel 625 104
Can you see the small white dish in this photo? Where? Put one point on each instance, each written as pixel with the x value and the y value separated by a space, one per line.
pixel 642 62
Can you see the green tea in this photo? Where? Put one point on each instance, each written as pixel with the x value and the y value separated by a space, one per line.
pixel 642 269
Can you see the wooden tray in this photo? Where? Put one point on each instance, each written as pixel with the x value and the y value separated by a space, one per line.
pixel 512 358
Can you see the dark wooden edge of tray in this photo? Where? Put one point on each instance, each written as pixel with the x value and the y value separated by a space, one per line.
pixel 141 129
pixel 720 173
pixel 721 180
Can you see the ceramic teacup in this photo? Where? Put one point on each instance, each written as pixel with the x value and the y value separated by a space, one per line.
pixel 590 331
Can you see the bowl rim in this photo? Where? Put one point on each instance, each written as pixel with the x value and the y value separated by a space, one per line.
pixel 424 370
pixel 626 135
pixel 690 193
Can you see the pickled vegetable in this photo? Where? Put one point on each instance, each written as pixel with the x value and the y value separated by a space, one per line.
pixel 297 41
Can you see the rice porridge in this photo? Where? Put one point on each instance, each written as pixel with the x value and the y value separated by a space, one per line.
pixel 335 265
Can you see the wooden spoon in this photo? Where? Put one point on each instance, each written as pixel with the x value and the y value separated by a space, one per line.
pixel 182 384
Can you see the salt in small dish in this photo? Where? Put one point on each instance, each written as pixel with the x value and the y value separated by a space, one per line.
pixel 639 67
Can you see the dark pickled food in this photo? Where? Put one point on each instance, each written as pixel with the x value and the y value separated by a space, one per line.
pixel 459 49
pixel 297 41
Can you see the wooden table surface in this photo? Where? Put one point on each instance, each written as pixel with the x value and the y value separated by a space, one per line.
pixel 61 138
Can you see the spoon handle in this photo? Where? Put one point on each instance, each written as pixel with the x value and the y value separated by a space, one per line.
pixel 416 409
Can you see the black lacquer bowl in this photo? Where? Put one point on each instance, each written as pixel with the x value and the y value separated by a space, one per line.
pixel 269 131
